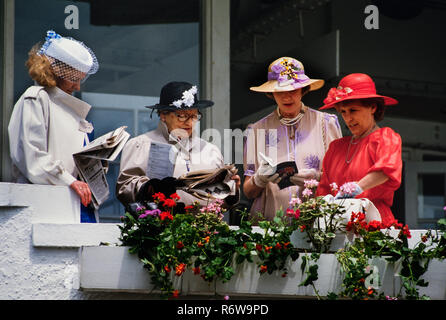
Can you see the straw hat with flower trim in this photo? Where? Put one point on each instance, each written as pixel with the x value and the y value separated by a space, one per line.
pixel 287 74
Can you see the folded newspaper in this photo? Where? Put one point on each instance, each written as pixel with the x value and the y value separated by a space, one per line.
pixel 89 162
pixel 211 183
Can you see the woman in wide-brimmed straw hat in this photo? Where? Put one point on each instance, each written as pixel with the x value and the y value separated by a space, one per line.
pixel 179 110
pixel 48 123
pixel 370 159
pixel 292 132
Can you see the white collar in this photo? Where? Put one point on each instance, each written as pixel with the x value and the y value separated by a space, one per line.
pixel 81 108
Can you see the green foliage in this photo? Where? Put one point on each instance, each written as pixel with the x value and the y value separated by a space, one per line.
pixel 169 242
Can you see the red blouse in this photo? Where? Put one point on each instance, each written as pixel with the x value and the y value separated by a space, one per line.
pixel 379 151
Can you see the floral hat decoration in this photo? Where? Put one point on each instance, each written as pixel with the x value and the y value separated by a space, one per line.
pixel 287 74
pixel 354 86
pixel 180 96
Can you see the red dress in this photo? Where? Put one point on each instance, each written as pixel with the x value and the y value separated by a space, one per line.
pixel 379 151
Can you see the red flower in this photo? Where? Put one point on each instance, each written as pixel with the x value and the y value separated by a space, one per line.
pixel 196 270
pixel 285 245
pixel 424 238
pixel 405 231
pixel 259 247
pixel 165 215
pixel 188 207
pixel 159 196
pixel 263 268
pixel 268 249
pixel 175 294
pixel 169 203
pixel 297 214
pixel 278 246
pixel 180 245
pixel 370 291
pixel 200 244
pixel 179 269
pixel 167 269
pixel 374 225
pixel 302 228
pixel 207 239
pixel 174 196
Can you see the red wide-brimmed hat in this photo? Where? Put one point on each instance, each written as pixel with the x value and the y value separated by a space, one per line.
pixel 354 86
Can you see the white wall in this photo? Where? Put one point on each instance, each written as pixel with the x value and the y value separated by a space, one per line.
pixel 33 269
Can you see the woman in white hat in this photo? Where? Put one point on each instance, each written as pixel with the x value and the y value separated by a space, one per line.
pixel 48 124
pixel 292 132
pixel 179 110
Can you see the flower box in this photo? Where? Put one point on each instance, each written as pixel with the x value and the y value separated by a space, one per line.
pixel 105 268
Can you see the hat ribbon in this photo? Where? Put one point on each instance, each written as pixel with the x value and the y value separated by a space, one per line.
pixel 50 35
pixel 287 74
pixel 338 93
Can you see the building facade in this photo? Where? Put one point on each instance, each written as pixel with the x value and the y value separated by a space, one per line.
pixel 225 46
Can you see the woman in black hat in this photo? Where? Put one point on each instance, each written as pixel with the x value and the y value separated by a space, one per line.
pixel 178 110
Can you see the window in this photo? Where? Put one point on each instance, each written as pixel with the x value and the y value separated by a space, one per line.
pixel 140 46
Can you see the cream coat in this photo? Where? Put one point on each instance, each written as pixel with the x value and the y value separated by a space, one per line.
pixel 47 126
pixel 196 155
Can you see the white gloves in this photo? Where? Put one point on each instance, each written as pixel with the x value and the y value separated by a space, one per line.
pixel 349 190
pixel 305 174
pixel 265 174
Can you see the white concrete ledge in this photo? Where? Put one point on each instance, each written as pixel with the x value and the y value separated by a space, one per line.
pixel 115 269
pixel 74 235
pixel 50 204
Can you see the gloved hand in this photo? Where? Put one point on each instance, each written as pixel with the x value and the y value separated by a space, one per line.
pixel 305 174
pixel 349 190
pixel 167 186
pixel 264 174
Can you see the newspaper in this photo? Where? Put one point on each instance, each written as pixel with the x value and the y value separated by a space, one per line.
pixel 212 183
pixel 92 162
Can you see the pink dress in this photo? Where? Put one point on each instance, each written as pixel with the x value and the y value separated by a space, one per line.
pixel 379 151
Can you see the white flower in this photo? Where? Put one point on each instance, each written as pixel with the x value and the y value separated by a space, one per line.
pixel 187 98
pixel 177 103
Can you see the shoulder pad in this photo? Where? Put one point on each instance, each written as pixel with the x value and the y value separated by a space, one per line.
pixel 32 92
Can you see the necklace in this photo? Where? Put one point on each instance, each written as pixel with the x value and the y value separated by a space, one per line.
pixel 290 122
pixel 347 160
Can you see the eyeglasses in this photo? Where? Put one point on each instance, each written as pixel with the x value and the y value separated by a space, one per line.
pixel 184 117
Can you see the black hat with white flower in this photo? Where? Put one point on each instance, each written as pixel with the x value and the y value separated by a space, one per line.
pixel 180 96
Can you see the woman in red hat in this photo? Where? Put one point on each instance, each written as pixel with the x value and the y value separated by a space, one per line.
pixel 370 159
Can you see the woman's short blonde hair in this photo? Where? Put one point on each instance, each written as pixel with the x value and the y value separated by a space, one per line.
pixel 39 68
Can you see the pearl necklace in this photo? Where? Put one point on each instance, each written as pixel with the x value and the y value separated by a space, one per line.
pixel 290 122
pixel 357 141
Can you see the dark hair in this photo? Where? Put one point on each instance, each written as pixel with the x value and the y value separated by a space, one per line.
pixel 380 107
pixel 370 102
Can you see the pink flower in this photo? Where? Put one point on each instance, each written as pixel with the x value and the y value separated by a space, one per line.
pixel 334 187
pixel 295 201
pixel 307 192
pixel 311 183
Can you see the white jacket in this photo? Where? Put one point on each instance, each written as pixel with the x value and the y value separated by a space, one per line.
pixel 47 126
